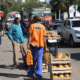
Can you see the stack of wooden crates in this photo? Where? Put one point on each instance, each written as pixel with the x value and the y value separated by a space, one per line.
pixel 57 71
pixel 44 68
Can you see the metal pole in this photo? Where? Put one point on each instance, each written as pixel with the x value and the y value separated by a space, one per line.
pixel 55 15
pixel 59 13
pixel 75 11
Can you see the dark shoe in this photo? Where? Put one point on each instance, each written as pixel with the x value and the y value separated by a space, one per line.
pixel 26 66
pixel 39 77
pixel 30 76
pixel 14 67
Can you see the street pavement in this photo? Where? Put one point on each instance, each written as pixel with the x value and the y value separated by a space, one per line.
pixel 75 58
pixel 6 61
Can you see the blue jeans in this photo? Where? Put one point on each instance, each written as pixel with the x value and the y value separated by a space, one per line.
pixel 37 53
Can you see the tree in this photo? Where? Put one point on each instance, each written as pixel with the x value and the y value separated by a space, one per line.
pixel 9 6
pixel 68 3
pixel 29 5
pixel 56 4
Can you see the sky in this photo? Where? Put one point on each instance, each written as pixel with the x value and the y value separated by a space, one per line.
pixel 40 0
pixel 45 0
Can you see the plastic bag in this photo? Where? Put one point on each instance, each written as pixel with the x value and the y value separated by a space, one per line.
pixel 29 58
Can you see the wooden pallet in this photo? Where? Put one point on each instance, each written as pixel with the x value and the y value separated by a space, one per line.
pixel 45 68
pixel 61 72
pixel 53 60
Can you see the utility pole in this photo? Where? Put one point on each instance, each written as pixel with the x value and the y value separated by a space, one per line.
pixel 2 31
pixel 59 14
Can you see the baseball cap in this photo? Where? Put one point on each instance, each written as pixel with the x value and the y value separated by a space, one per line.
pixel 17 16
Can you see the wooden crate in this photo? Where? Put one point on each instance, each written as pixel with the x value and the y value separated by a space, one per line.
pixel 53 60
pixel 45 68
pixel 59 69
pixel 61 72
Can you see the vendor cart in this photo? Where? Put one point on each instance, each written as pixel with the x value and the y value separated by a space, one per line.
pixel 52 46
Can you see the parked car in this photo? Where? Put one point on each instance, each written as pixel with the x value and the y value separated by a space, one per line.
pixel 55 20
pixel 8 23
pixel 70 31
pixel 59 28
pixel 55 25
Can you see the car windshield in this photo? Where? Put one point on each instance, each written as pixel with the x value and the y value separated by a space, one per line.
pixel 76 23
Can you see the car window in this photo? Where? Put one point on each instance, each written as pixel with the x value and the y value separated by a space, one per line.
pixel 68 23
pixel 65 23
pixel 76 23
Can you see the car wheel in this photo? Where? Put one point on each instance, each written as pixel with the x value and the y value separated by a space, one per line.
pixel 72 43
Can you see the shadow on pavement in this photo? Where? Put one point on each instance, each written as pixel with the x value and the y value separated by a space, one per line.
pixel 66 45
pixel 20 66
pixel 37 79
pixel 7 51
pixel 75 56
pixel 12 75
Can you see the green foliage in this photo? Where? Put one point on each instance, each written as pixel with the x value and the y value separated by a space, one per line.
pixel 56 4
pixel 19 6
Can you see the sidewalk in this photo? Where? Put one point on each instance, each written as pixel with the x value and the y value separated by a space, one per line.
pixel 6 61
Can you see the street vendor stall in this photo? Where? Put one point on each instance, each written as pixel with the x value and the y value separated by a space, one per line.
pixel 52 42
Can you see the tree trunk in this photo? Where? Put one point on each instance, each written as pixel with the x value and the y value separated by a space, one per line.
pixel 55 15
pixel 30 15
pixel 68 12
pixel 21 13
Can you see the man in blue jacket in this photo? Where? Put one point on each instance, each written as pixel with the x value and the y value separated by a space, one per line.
pixel 18 40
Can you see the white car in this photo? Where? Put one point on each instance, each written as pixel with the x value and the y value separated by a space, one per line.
pixel 8 23
pixel 70 31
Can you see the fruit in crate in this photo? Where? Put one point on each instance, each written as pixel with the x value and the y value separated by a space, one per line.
pixel 65 56
pixel 54 38
pixel 61 75
pixel 51 32
pixel 55 76
pixel 66 66
pixel 59 55
pixel 44 69
pixel 48 35
pixel 43 66
pixel 66 75
pixel 60 66
pixel 49 38
pixel 54 66
pixel 53 35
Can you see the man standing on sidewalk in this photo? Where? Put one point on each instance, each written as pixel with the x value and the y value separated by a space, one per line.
pixel 37 43
pixel 15 34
